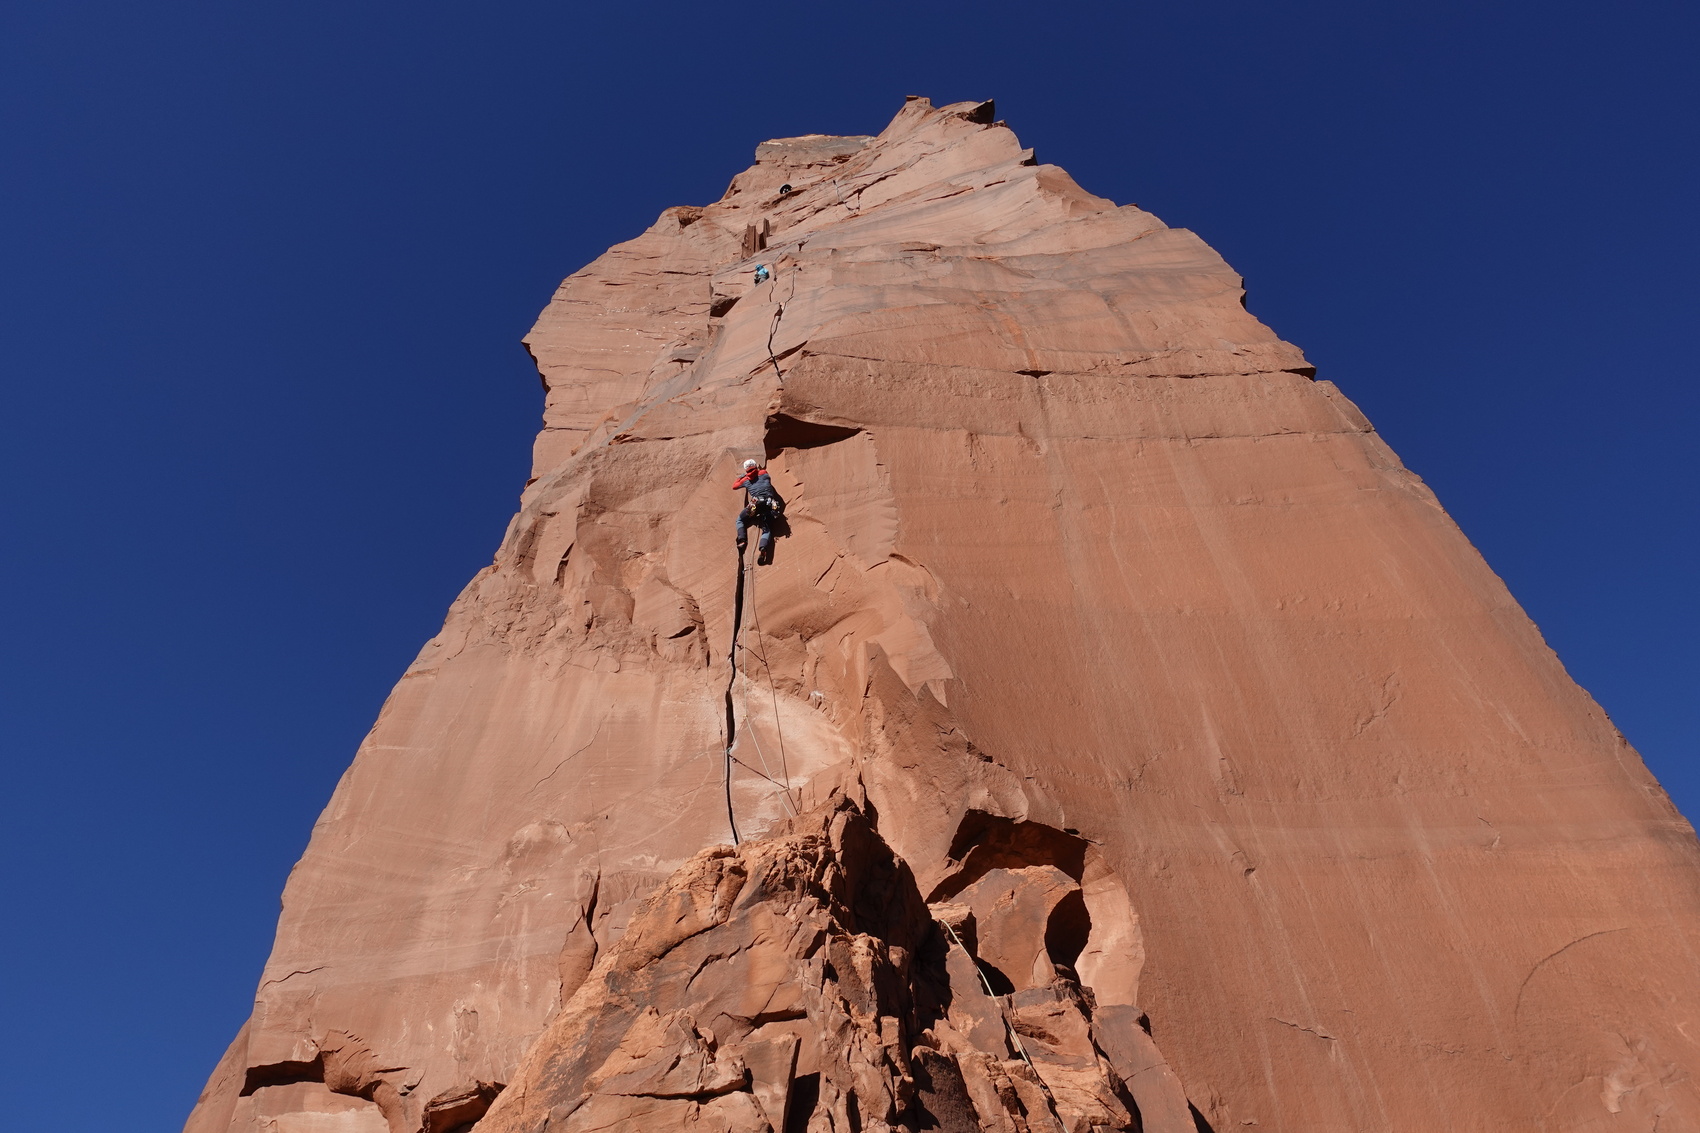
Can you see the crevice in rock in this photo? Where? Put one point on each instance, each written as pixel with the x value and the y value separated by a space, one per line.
pixel 1067 932
pixel 995 979
pixel 984 842
pixel 283 1074
pixel 805 1098
pixel 731 683
pixel 787 432
pixel 763 1018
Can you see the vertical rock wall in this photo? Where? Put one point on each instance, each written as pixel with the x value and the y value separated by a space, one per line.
pixel 1195 767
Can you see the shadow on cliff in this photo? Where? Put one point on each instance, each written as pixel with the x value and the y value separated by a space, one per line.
pixel 801 983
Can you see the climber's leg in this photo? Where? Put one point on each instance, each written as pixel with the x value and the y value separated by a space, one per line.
pixel 764 546
pixel 743 529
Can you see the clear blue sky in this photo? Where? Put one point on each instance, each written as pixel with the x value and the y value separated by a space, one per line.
pixel 264 408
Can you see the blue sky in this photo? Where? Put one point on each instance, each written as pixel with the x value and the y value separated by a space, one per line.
pixel 263 408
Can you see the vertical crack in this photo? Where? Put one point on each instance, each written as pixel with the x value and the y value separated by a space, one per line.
pixel 731 680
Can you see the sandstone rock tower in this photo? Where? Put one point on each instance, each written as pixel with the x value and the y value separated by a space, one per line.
pixel 1123 738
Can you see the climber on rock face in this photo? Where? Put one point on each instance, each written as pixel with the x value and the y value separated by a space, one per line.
pixel 763 507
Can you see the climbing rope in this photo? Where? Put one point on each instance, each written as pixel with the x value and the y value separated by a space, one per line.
pixel 758 772
pixel 737 628
pixel 847 205
pixel 766 771
pixel 773 691
pixel 742 671
pixel 779 313
pixel 1014 1036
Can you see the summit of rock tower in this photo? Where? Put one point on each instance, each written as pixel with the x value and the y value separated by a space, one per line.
pixel 1120 738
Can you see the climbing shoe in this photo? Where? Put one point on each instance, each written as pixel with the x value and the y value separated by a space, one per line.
pixel 764 557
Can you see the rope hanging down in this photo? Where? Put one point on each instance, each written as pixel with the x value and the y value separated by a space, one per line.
pixel 731 710
pixel 779 309
pixel 773 693
pixel 1015 1036
pixel 738 625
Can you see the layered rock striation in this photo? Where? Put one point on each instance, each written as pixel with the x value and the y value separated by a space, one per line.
pixel 1123 737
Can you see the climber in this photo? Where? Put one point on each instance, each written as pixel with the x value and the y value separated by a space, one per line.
pixel 763 507
pixel 763 273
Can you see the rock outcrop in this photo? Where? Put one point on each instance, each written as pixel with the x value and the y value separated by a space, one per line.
pixel 1122 739
pixel 801 981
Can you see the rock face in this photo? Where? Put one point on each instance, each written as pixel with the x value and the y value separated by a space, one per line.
pixel 801 981
pixel 1122 739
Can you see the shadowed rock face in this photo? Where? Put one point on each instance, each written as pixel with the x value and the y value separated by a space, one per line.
pixel 1122 736
pixel 800 982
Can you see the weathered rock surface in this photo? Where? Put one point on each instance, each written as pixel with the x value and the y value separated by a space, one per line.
pixel 1121 733
pixel 799 981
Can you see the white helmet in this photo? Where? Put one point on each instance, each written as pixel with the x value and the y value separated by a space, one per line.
pixel 749 464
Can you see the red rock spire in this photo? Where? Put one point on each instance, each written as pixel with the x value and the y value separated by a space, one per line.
pixel 1122 670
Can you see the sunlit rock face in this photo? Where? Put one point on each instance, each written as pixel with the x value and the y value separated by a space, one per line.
pixel 1122 737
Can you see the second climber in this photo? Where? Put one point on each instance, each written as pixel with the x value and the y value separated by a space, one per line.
pixel 763 508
